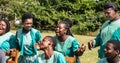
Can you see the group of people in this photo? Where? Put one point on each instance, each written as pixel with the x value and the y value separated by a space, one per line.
pixel 62 46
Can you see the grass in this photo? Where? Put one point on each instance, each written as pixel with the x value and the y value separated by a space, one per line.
pixel 89 56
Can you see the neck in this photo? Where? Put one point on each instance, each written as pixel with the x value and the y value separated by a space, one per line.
pixel 25 31
pixel 113 60
pixel 48 53
pixel 62 38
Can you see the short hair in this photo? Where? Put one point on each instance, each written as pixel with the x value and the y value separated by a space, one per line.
pixel 7 24
pixel 26 16
pixel 52 40
pixel 116 44
pixel 110 5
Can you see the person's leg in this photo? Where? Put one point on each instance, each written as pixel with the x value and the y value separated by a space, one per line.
pixel 2 57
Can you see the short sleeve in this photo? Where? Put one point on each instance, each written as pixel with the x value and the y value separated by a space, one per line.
pixel 75 45
pixel 61 59
pixel 38 36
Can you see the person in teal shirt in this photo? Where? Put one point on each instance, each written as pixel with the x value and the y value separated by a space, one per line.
pixel 26 38
pixel 6 37
pixel 49 56
pixel 66 43
pixel 108 28
pixel 112 51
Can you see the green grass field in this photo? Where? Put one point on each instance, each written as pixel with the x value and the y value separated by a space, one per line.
pixel 88 56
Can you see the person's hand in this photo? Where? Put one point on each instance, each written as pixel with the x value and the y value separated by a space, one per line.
pixel 90 44
pixel 37 45
pixel 81 50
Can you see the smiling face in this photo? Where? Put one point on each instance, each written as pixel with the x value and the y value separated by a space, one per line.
pixel 60 29
pixel 2 27
pixel 109 50
pixel 28 24
pixel 110 14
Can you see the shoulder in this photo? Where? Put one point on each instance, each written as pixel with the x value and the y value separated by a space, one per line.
pixel 71 38
pixel 102 60
pixel 19 31
pixel 58 55
pixel 34 30
pixel 105 24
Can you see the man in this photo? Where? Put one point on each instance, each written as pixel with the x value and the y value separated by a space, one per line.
pixel 108 28
pixel 49 55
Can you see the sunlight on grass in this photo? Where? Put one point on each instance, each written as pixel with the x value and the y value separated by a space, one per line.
pixel 88 56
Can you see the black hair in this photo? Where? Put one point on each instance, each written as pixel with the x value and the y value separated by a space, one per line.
pixel 116 44
pixel 52 40
pixel 7 24
pixel 27 16
pixel 110 5
pixel 68 25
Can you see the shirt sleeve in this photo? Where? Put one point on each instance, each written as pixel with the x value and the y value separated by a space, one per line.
pixel 12 41
pixel 38 36
pixel 61 59
pixel 97 40
pixel 75 45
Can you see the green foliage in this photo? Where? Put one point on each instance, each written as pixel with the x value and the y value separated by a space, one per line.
pixel 87 15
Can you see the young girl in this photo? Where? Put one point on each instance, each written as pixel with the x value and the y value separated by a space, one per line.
pixel 26 38
pixel 66 43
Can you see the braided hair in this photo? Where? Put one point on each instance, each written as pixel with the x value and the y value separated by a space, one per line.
pixel 68 25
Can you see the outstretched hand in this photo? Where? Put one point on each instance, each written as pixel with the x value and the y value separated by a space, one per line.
pixel 81 50
pixel 37 45
pixel 90 44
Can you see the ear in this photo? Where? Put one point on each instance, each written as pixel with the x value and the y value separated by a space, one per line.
pixel 117 51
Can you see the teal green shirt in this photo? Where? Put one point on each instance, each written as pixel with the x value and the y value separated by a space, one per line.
pixel 26 45
pixel 106 33
pixel 6 41
pixel 68 47
pixel 55 58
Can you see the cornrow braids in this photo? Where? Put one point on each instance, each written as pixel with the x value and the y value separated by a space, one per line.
pixel 68 25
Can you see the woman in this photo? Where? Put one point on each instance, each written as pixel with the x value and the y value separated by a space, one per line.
pixel 112 51
pixel 6 37
pixel 49 55
pixel 26 38
pixel 66 43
